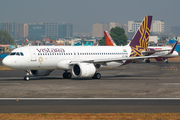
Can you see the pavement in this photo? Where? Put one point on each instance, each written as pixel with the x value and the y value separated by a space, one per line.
pixel 135 80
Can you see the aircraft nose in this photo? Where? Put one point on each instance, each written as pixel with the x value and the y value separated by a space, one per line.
pixel 6 61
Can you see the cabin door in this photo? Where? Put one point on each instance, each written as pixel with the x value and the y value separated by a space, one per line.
pixel 33 55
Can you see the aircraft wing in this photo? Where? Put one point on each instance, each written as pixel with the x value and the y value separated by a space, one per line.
pixel 120 59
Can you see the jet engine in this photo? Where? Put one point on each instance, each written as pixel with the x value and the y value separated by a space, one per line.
pixel 40 72
pixel 83 70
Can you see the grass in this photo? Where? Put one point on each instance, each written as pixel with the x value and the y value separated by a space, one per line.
pixel 5 68
pixel 91 116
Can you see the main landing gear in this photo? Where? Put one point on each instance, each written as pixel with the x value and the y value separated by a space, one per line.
pixel 97 76
pixel 165 60
pixel 147 61
pixel 67 75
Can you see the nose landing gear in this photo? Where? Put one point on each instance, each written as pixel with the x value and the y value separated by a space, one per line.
pixel 27 77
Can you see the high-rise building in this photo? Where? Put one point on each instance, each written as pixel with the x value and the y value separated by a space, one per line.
pixel 36 30
pixel 125 27
pixel 50 30
pixel 157 26
pixel 11 27
pixel 65 30
pixel 133 26
pixel 23 30
pixel 26 30
pixel 99 28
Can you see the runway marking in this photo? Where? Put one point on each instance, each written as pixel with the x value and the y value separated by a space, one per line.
pixel 169 83
pixel 89 99
pixel 169 69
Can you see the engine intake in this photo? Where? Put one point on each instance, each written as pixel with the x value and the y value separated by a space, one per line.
pixel 83 70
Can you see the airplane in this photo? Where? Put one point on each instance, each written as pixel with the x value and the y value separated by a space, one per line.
pixel 110 42
pixel 83 61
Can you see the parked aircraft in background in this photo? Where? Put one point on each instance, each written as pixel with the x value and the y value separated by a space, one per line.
pixel 162 50
pixel 83 61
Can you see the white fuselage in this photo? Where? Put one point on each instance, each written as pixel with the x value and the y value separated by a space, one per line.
pixel 60 57
pixel 164 53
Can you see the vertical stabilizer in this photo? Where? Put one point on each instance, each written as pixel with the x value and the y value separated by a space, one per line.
pixel 141 38
pixel 108 39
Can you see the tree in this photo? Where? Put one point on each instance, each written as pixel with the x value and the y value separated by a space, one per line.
pixel 118 35
pixel 5 38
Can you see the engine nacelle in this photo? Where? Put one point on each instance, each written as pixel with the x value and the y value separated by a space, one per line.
pixel 83 70
pixel 40 72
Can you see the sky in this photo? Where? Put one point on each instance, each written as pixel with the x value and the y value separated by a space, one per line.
pixel 83 13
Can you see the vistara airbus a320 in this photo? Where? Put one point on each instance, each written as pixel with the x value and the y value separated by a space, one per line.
pixel 82 61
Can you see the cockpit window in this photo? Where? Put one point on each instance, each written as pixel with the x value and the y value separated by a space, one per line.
pixel 17 53
pixel 13 53
pixel 21 54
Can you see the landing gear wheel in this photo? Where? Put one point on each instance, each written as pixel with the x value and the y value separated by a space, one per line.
pixel 97 76
pixel 26 78
pixel 67 75
pixel 147 61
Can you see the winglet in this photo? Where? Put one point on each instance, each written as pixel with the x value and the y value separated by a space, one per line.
pixel 172 50
pixel 108 39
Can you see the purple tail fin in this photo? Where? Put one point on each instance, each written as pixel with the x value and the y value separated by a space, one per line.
pixel 141 38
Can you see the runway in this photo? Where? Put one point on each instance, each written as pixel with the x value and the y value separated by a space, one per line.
pixel 136 80
pixel 91 106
